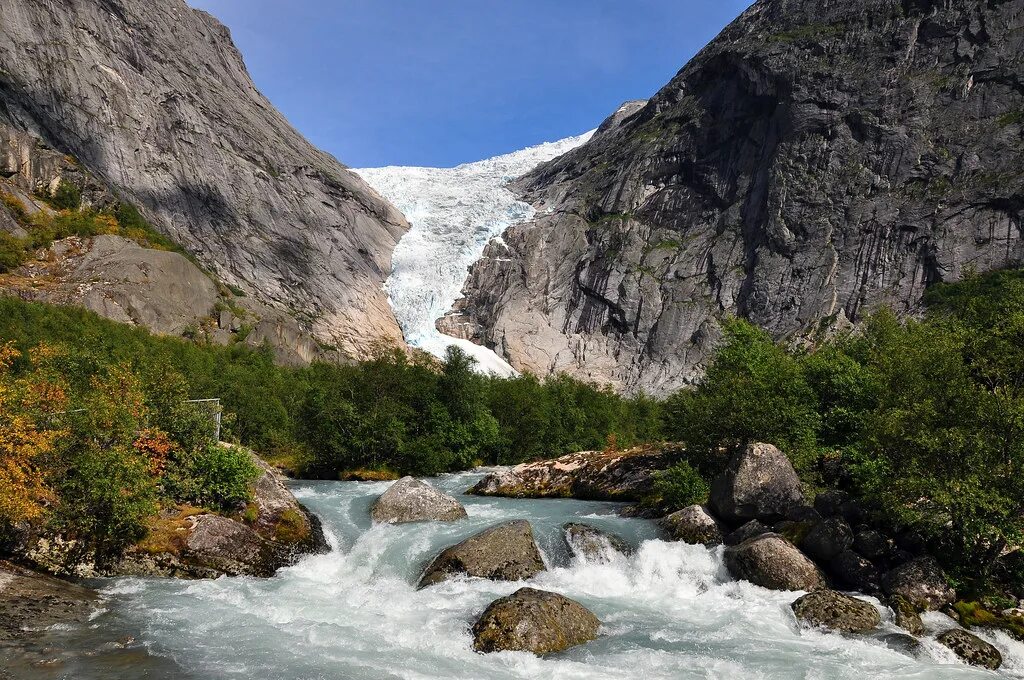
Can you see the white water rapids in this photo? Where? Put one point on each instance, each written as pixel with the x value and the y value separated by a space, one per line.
pixel 454 212
pixel 669 611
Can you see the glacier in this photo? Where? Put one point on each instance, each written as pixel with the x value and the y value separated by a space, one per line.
pixel 454 213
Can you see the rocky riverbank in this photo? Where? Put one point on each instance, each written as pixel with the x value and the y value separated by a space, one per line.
pixel 774 536
pixel 272 531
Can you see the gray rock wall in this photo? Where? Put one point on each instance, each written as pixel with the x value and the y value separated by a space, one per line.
pixel 816 161
pixel 153 98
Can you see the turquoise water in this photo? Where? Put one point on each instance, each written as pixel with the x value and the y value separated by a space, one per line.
pixel 668 611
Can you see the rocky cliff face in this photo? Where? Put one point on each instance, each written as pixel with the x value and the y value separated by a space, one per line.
pixel 814 162
pixel 154 99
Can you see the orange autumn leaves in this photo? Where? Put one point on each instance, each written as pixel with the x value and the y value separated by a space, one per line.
pixel 25 405
pixel 35 412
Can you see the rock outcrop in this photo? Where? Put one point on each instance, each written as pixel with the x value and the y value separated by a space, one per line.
pixel 154 100
pixel 921 582
pixel 588 475
pixel 34 601
pixel 771 561
pixel 835 611
pixel 535 621
pixel 695 525
pixel 506 552
pixel 274 532
pixel 971 648
pixel 592 544
pixel 120 280
pixel 760 483
pixel 410 500
pixel 812 163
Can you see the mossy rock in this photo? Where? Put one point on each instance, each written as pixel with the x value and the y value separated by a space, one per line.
pixel 975 615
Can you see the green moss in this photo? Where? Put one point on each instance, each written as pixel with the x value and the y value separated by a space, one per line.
pixel 974 614
pixel 291 527
pixel 1011 118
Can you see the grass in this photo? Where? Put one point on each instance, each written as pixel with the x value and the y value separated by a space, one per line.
pixel 167 535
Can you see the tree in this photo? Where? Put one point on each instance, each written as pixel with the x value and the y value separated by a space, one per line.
pixel 25 440
pixel 753 391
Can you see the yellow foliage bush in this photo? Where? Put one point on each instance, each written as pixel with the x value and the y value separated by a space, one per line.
pixel 23 439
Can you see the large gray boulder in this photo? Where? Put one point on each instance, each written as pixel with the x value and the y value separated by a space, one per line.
pixel 593 544
pixel 694 525
pixel 535 621
pixel 835 611
pixel 760 483
pixel 972 648
pixel 921 582
pixel 771 561
pixel 506 552
pixel 747 531
pixel 410 500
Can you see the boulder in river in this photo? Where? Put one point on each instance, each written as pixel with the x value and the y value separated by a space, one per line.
pixel 695 525
pixel 749 530
pixel 506 552
pixel 921 582
pixel 835 611
pixel 972 648
pixel 535 621
pixel 905 615
pixel 410 500
pixel 593 544
pixel 771 561
pixel 760 483
pixel 588 475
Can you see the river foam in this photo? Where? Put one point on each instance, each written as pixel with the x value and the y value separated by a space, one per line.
pixel 669 610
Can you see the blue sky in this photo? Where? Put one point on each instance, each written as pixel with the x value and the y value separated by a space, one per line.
pixel 442 82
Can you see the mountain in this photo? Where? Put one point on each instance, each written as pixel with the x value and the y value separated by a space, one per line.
pixel 154 100
pixel 816 161
pixel 454 212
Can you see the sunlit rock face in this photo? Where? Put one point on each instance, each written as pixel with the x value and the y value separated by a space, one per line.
pixel 154 99
pixel 815 162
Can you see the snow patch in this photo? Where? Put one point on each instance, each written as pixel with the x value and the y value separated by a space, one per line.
pixel 454 213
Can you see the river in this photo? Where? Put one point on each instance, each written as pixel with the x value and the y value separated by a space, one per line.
pixel 669 611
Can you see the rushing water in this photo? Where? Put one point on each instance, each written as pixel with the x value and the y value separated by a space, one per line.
pixel 668 611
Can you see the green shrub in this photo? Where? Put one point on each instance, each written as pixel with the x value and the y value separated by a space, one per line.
pixel 66 197
pixel 106 495
pixel 680 486
pixel 13 252
pixel 215 477
pixel 754 391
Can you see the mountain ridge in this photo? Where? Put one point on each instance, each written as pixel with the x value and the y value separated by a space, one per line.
pixel 811 164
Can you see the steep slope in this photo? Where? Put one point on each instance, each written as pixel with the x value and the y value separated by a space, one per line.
pixel 454 213
pixel 153 98
pixel 815 161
